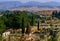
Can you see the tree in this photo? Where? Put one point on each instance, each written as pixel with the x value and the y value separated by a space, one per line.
pixel 28 30
pixel 13 19
pixel 23 26
pixel 2 26
pixel 32 19
pixel 38 25
pixel 54 35
pixel 56 14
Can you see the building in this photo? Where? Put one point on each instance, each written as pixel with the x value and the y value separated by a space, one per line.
pixel 45 12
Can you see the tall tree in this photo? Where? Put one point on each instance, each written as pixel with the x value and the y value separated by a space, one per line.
pixel 38 25
pixel 32 19
pixel 23 27
pixel 28 30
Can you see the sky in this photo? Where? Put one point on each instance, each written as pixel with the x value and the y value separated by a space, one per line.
pixel 32 0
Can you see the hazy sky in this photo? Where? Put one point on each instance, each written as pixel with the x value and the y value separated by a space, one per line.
pixel 32 0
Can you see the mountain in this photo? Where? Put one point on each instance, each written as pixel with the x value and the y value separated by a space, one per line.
pixel 32 3
pixel 9 4
pixel 16 4
pixel 52 3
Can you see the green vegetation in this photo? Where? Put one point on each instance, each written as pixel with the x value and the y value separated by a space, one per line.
pixel 16 19
pixel 24 19
pixel 56 14
pixel 2 26
pixel 0 38
pixel 28 28
pixel 38 25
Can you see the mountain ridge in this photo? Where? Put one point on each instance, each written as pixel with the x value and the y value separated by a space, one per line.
pixel 14 4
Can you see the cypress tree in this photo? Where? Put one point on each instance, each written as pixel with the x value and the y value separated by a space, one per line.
pixel 23 27
pixel 32 21
pixel 38 25
pixel 28 30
